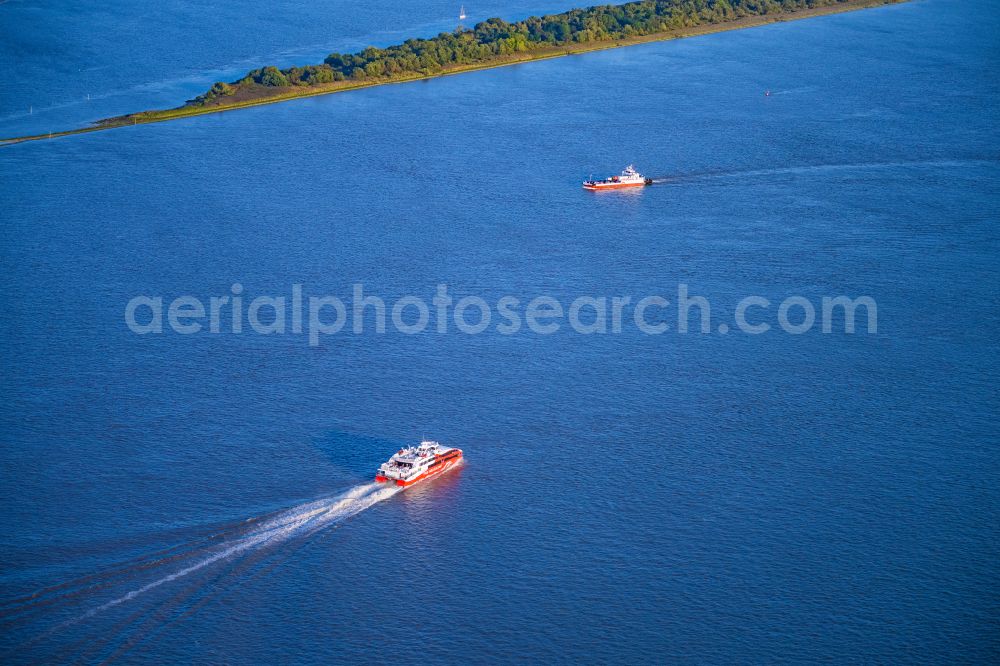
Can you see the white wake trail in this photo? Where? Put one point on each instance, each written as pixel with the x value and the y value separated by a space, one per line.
pixel 302 520
pixel 682 178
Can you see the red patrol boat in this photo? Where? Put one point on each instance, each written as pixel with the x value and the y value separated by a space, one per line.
pixel 416 463
pixel 629 178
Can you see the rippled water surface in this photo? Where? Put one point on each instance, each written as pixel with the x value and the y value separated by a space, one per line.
pixel 701 498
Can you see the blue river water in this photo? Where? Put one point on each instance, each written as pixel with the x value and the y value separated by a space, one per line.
pixel 683 497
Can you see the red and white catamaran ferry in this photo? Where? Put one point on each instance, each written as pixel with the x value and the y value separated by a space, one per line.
pixel 629 178
pixel 416 463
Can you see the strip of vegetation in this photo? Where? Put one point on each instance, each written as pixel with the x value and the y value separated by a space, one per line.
pixel 495 40
pixel 492 43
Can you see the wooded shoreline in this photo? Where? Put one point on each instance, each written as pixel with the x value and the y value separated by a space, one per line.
pixel 248 92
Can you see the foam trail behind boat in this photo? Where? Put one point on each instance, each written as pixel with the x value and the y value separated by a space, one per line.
pixel 302 520
pixel 817 169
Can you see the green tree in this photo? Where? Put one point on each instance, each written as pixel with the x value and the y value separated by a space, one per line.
pixel 273 78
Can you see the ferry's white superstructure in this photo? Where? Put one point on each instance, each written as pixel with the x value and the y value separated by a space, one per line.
pixel 628 178
pixel 416 463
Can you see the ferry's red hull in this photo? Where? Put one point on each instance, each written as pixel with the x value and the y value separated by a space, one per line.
pixel 611 186
pixel 445 462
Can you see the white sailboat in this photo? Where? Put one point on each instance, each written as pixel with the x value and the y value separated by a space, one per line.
pixel 461 13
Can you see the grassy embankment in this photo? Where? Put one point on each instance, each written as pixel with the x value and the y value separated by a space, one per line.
pixel 256 96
